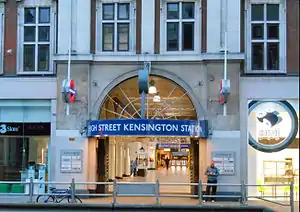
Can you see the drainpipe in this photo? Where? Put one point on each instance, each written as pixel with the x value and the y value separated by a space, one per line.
pixel 89 90
pixel 225 82
pixel 69 55
pixel 2 43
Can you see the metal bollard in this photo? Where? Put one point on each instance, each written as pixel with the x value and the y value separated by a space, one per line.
pixel 200 192
pixel 292 195
pixel 157 191
pixel 31 187
pixel 115 192
pixel 243 192
pixel 73 190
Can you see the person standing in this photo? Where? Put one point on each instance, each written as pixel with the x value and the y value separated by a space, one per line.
pixel 212 173
pixel 134 167
pixel 167 161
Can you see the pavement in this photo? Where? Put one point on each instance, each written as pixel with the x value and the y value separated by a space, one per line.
pixel 163 201
pixel 170 176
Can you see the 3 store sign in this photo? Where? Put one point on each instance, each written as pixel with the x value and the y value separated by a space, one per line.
pixel 6 128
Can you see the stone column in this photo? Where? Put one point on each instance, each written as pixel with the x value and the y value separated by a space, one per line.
pixel 120 158
pixel 112 158
pixel 126 160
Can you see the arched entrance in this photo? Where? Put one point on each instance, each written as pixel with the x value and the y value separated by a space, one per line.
pixel 167 100
pixel 170 158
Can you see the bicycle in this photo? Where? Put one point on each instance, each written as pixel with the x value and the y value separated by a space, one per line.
pixel 53 197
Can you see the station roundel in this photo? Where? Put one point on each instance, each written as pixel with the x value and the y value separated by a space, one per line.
pixel 72 91
pixel 69 91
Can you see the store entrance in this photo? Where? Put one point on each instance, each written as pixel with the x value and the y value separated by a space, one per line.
pixel 135 159
pixel 169 133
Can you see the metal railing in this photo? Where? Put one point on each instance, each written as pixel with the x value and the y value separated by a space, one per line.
pixel 242 196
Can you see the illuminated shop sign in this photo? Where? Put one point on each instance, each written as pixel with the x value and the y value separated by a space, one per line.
pixel 148 127
pixel 24 129
pixel 272 125
pixel 180 154
pixel 174 146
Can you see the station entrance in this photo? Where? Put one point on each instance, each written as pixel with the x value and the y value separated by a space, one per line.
pixel 170 153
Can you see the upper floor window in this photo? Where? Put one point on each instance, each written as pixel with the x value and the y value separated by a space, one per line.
pixel 115 26
pixel 180 30
pixel 267 38
pixel 180 26
pixel 35 39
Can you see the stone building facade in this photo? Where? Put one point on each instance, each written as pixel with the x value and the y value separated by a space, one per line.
pixel 103 56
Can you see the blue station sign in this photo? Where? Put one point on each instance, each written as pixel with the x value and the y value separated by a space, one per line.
pixel 148 127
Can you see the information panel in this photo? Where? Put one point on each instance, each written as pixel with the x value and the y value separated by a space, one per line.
pixel 225 162
pixel 71 161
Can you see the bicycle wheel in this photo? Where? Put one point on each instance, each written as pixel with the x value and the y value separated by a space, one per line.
pixel 44 198
pixel 77 200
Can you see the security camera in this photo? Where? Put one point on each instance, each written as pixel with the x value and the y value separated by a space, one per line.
pixel 83 130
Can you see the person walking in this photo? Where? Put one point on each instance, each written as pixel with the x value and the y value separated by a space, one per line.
pixel 212 173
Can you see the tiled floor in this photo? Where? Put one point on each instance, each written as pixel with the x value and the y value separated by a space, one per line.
pixel 173 175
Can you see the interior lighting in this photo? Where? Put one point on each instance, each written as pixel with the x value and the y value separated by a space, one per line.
pixel 156 98
pixel 152 88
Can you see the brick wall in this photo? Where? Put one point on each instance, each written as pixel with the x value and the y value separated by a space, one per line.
pixel 10 37
pixel 292 7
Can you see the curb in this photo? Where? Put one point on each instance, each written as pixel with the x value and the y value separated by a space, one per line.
pixel 131 207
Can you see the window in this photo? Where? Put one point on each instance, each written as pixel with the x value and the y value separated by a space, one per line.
pixel 19 152
pixel 115 27
pixel 36 40
pixel 266 38
pixel 180 26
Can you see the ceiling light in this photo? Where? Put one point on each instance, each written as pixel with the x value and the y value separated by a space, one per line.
pixel 156 98
pixel 152 88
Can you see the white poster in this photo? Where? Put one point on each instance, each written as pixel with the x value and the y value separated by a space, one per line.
pixel 71 161
pixel 225 162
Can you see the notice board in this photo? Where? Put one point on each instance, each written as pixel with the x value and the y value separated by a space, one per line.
pixel 225 162
pixel 71 161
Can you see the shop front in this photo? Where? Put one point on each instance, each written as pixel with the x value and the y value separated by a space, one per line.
pixel 25 130
pixel 273 136
pixel 274 141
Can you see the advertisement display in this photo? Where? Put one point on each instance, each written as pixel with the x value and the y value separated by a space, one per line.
pixel 273 125
pixel 42 176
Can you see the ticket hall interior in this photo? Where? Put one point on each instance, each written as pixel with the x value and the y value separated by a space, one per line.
pixel 115 155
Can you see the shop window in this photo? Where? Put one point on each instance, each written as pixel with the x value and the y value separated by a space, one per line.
pixel 17 153
pixel 115 27
pixel 266 34
pixel 36 38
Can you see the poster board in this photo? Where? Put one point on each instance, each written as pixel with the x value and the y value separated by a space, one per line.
pixel 224 161
pixel 71 161
pixel 142 162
